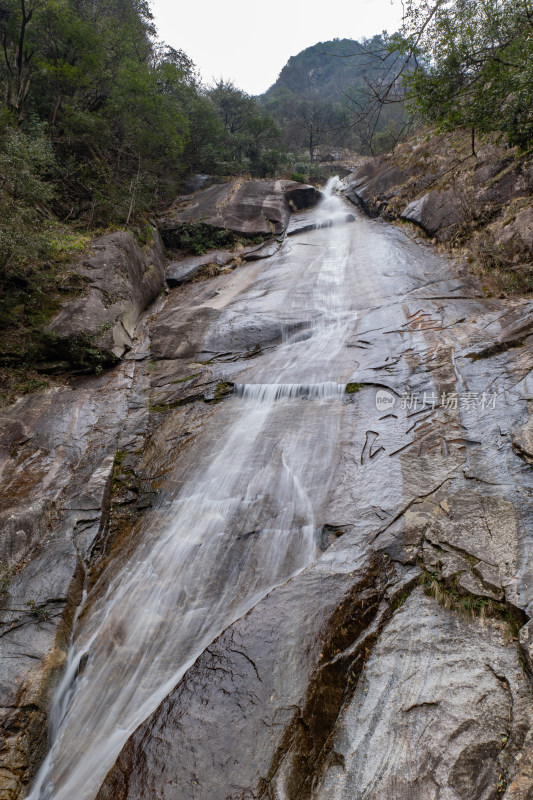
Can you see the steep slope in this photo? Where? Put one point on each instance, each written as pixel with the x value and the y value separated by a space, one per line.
pixel 301 509
pixel 473 197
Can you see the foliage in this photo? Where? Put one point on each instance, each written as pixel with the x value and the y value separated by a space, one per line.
pixel 99 123
pixel 124 116
pixel 251 141
pixel 451 597
pixel 197 238
pixel 26 160
pixel 321 97
pixel 474 65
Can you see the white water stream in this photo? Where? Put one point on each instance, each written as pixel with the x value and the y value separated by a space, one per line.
pixel 243 522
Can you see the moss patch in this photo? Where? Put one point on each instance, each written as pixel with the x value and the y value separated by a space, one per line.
pixel 353 388
pixel 452 598
pixel 196 238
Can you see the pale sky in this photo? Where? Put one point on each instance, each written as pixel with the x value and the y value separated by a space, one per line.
pixel 249 42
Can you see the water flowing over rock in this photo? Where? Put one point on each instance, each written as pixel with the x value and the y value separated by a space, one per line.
pixel 291 533
pixel 479 200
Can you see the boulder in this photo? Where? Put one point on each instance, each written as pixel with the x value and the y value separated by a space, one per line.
pixel 375 180
pixel 249 208
pixel 519 232
pixel 122 279
pixel 435 212
pixel 264 251
pixel 300 195
pixel 186 269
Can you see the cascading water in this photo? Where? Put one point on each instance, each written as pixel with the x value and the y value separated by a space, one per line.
pixel 243 521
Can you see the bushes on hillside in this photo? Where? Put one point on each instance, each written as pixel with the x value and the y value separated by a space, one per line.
pixel 474 65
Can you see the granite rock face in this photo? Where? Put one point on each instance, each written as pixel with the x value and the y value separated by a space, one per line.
pixel 442 698
pixel 122 280
pixel 393 663
pixel 189 268
pixel 56 487
pixel 352 680
pixel 480 201
pixel 434 212
pixel 249 208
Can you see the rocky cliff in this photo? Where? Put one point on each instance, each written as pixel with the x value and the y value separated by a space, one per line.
pixel 396 662
pixel 472 197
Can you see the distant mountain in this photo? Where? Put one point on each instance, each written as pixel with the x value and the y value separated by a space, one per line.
pixel 328 69
pixel 318 97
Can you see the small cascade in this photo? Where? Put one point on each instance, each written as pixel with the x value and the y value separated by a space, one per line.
pixel 271 392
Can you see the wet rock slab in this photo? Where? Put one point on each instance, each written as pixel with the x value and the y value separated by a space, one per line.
pixel 441 710
pixel 249 207
pixel 270 678
pixel 186 269
pixel 347 678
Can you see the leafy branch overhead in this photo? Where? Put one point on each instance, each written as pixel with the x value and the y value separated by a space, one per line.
pixel 473 65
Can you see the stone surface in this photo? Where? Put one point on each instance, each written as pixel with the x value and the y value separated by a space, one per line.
pixel 122 279
pixel 375 180
pixel 439 712
pixel 481 202
pixel 341 678
pixel 299 225
pixel 254 688
pixel 437 696
pixel 188 268
pixel 56 472
pixel 245 207
pixel 434 212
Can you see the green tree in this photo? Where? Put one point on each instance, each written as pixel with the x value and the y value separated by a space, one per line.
pixel 26 161
pixel 330 95
pixel 252 139
pixel 474 65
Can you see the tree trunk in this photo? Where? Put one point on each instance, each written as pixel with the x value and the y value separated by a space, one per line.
pixel 18 65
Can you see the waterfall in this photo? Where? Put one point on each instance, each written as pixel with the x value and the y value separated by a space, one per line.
pixel 243 520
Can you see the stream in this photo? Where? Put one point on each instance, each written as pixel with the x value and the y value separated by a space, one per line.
pixel 298 518
pixel 243 522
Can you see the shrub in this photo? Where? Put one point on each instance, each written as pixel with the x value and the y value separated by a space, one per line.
pixel 26 160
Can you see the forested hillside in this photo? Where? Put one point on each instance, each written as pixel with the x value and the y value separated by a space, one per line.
pixel 474 65
pixel 99 123
pixel 322 97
